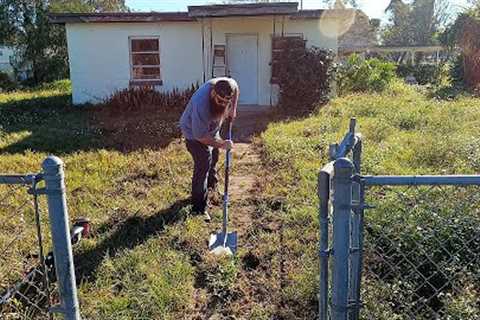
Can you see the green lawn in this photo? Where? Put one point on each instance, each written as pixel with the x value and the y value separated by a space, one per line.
pixel 130 197
pixel 147 257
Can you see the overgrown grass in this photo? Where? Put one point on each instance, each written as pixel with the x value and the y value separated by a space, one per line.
pixel 404 133
pixel 147 256
pixel 125 270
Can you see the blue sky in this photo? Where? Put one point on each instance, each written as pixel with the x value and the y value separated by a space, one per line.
pixel 374 8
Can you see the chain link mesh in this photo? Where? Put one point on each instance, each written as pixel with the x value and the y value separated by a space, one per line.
pixel 422 253
pixel 26 290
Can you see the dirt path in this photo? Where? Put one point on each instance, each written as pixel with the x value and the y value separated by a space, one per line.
pixel 257 284
pixel 247 169
pixel 242 186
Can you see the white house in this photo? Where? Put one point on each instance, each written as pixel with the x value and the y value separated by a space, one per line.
pixel 112 51
pixel 5 54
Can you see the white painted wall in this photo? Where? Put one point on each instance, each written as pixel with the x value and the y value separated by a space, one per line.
pixel 100 62
pixel 262 27
pixel 320 34
pixel 5 54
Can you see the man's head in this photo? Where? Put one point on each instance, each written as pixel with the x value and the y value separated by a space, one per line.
pixel 220 97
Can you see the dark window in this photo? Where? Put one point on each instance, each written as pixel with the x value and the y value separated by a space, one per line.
pixel 145 59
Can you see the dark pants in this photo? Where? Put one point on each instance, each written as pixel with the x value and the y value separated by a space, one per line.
pixel 204 172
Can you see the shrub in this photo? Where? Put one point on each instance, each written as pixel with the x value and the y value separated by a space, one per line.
pixel 304 78
pixel 363 75
pixel 58 85
pixel 425 73
pixel 6 84
pixel 141 117
pixel 146 97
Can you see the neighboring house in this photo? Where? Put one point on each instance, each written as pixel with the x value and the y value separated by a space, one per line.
pixel 360 33
pixel 112 51
pixel 356 30
pixel 5 54
pixel 8 57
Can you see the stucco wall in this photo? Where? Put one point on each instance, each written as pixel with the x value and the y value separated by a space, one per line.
pixel 100 62
pixel 318 34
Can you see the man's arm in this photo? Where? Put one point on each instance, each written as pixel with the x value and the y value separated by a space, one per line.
pixel 233 109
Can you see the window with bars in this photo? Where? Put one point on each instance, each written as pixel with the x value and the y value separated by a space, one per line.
pixel 145 60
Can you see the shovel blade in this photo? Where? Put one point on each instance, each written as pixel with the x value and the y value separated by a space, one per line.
pixel 219 245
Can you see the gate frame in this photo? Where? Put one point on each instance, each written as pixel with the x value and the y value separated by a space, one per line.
pixel 54 177
pixel 342 187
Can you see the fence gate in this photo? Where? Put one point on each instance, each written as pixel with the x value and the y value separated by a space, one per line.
pixel 35 249
pixel 404 247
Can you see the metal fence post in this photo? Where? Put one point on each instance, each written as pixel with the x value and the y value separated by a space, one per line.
pixel 342 205
pixel 62 248
pixel 356 243
pixel 323 195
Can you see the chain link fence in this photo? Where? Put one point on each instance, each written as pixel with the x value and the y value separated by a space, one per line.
pixel 422 253
pixel 35 246
pixel 402 247
pixel 24 288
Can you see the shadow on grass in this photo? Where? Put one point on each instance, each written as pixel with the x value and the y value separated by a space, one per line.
pixel 127 234
pixel 46 124
pixel 52 124
pixel 147 127
pixel 253 122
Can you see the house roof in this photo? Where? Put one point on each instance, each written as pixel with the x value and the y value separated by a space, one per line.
pixel 248 9
pixel 198 12
pixel 321 13
pixel 62 18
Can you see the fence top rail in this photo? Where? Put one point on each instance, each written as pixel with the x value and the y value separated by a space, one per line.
pixel 347 144
pixel 454 180
pixel 18 179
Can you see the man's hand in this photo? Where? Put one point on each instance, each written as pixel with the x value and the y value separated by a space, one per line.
pixel 217 142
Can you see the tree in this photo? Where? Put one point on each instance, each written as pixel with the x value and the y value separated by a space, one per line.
pixel 416 23
pixel 40 46
pixel 351 3
pixel 88 6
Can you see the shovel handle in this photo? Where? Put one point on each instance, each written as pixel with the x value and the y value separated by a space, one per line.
pixel 230 125
pixel 228 158
pixel 227 174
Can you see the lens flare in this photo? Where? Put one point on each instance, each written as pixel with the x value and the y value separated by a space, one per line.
pixel 340 19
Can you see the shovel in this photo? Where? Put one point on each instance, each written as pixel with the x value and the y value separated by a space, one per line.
pixel 224 242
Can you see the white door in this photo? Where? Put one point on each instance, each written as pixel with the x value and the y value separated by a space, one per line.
pixel 242 59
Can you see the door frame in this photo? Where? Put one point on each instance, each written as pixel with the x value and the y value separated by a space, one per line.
pixel 256 35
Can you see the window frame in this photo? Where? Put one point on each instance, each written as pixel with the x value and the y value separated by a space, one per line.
pixel 133 81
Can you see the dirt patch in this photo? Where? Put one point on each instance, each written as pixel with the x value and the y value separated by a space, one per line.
pixel 259 281
pixel 127 131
